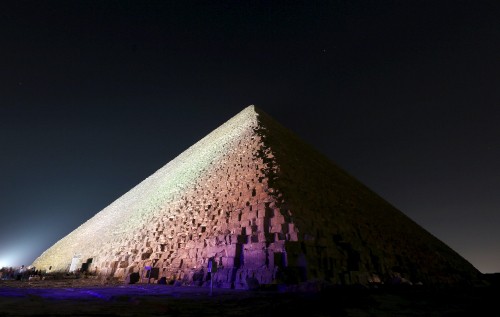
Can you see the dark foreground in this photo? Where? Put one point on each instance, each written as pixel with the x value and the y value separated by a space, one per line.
pixel 43 298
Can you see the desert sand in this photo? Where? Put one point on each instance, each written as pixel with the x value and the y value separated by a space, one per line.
pixel 94 297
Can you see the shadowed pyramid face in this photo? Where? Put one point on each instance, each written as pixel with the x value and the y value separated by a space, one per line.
pixel 268 208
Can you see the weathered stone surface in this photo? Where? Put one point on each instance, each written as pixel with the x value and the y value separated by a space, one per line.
pixel 268 208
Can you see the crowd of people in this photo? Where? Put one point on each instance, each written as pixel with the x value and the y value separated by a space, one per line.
pixel 21 273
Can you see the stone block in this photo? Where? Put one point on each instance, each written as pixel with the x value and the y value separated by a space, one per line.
pixel 292 236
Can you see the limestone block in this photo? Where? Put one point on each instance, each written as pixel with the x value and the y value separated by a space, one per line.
pixel 259 222
pixel 277 218
pixel 228 261
pixel 121 272
pixel 193 253
pixel 261 237
pixel 229 251
pixel 292 236
pixel 251 215
pixel 244 217
pixel 275 228
pixel 123 264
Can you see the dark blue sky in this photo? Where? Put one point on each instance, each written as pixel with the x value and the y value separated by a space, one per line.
pixel 97 95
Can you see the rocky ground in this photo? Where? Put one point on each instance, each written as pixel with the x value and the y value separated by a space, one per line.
pixel 93 297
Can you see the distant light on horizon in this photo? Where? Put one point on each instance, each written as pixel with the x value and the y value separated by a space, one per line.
pixel 16 254
pixel 6 261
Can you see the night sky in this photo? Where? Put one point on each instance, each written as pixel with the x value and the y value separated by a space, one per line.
pixel 95 96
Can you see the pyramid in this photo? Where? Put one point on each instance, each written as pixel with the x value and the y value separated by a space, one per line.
pixel 265 207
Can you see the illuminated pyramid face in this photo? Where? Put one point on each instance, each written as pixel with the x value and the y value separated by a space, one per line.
pixel 264 205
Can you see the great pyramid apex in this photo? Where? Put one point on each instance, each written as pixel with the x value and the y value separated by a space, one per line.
pixel 265 206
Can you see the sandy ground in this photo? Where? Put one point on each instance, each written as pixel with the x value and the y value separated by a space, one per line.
pixel 81 297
